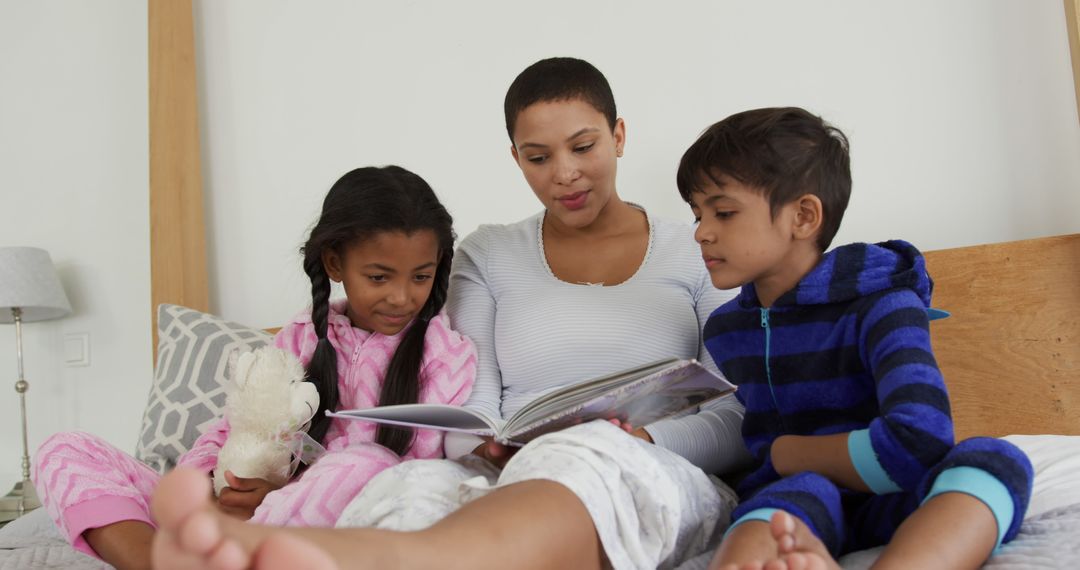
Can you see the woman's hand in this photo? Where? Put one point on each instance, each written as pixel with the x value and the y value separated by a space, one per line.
pixel 494 452
pixel 638 433
pixel 243 496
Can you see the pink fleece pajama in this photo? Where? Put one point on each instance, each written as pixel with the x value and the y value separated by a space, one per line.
pixel 86 483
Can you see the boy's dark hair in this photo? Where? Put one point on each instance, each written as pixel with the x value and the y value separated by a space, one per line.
pixel 362 203
pixel 785 152
pixel 558 79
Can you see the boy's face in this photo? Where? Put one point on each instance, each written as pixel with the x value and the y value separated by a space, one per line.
pixel 567 152
pixel 741 241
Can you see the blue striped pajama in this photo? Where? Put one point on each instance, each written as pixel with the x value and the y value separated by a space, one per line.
pixel 848 351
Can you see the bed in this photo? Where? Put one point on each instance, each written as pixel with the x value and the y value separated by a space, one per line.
pixel 1010 354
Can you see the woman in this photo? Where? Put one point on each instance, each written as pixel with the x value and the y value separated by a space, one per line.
pixel 589 286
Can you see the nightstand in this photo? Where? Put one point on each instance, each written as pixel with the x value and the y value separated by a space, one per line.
pixel 14 504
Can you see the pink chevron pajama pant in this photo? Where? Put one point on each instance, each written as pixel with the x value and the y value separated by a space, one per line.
pixel 86 483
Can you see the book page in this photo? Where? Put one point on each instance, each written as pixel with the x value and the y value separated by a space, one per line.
pixel 640 402
pixel 434 416
pixel 578 393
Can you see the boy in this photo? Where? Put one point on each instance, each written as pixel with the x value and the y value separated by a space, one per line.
pixel 847 415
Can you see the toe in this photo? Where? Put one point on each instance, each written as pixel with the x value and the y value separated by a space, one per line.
pixel 228 556
pixel 781 523
pixel 779 564
pixel 796 561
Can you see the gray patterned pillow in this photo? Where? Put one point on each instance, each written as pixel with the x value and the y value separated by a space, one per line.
pixel 188 393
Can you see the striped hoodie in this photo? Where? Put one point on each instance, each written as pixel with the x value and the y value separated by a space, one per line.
pixel 846 350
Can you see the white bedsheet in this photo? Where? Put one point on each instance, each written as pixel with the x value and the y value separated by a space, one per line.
pixel 1049 537
pixel 1046 540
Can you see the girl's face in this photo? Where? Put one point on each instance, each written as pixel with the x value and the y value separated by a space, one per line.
pixel 567 152
pixel 387 278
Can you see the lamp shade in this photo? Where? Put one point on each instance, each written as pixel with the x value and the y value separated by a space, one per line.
pixel 28 281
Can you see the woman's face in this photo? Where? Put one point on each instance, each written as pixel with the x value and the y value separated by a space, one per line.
pixel 567 152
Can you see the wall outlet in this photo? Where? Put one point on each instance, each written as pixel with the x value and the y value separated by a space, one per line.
pixel 77 349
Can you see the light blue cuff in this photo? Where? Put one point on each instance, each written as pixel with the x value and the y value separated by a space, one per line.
pixel 763 514
pixel 984 487
pixel 866 464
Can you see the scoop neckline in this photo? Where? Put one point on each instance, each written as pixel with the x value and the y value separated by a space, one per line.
pixel 547 268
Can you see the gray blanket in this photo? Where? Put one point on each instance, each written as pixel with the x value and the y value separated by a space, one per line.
pixel 33 541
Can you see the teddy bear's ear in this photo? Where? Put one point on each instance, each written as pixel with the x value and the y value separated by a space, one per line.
pixel 234 356
pixel 234 359
pixel 305 401
pixel 240 362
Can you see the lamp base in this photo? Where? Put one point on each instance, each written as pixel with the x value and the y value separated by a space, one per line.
pixel 21 500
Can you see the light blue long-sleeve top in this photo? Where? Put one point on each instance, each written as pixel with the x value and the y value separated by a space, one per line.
pixel 535 333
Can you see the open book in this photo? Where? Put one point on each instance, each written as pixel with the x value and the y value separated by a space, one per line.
pixel 638 396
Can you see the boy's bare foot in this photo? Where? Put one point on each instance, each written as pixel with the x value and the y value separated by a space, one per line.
pixel 746 547
pixel 798 548
pixel 194 534
pixel 784 543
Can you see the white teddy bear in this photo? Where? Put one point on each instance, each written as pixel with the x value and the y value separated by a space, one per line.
pixel 268 402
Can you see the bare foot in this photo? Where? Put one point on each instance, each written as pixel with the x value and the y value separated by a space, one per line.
pixel 798 548
pixel 189 533
pixel 784 543
pixel 194 534
pixel 747 547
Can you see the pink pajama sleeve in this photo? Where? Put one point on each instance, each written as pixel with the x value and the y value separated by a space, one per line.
pixel 203 454
pixel 86 483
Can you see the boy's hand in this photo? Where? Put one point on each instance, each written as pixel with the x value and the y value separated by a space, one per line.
pixel 826 455
pixel 243 496
pixel 496 453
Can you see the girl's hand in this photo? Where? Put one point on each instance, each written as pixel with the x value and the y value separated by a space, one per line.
pixel 496 453
pixel 638 433
pixel 243 496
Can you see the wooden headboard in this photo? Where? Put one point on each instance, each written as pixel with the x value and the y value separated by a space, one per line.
pixel 1010 352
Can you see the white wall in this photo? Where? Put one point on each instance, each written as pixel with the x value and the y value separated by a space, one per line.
pixel 961 114
pixel 73 180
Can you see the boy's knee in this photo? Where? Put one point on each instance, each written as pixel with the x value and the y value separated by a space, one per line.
pixel 992 470
pixel 1001 459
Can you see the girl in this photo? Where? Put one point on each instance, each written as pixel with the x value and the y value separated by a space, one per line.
pixel 384 235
